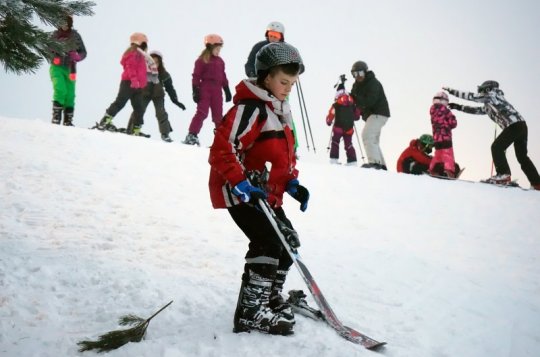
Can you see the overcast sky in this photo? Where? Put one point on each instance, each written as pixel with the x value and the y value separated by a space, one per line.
pixel 414 48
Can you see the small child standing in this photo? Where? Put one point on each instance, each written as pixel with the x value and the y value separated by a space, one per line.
pixel 131 85
pixel 154 91
pixel 257 130
pixel 345 113
pixel 442 122
pixel 209 79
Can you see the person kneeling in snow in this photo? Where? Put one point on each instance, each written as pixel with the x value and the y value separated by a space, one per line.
pixel 415 159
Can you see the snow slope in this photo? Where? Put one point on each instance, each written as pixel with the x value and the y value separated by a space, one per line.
pixel 97 225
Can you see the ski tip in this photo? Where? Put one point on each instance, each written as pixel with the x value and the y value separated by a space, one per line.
pixel 379 346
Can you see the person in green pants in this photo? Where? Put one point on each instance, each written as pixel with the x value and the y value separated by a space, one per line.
pixel 63 71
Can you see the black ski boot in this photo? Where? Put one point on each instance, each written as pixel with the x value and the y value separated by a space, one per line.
pixel 252 310
pixel 57 113
pixel 68 116
pixel 277 302
pixel 166 138
pixel 191 139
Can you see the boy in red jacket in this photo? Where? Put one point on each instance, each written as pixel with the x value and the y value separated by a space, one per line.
pixel 257 130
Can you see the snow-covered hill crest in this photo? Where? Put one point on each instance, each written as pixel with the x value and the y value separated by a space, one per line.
pixel 96 225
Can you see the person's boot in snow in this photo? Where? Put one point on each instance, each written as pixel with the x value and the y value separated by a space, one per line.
pixel 277 303
pixel 252 310
pixel 191 139
pixel 68 116
pixel 57 113
pixel 106 123
pixel 166 137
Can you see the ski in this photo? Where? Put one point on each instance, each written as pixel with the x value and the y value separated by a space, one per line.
pixel 512 183
pixel 288 236
pixel 124 131
pixel 118 130
pixel 448 178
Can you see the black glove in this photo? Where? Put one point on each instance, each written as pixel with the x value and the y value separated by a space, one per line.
pixel 180 105
pixel 455 106
pixel 227 91
pixel 196 94
pixel 299 193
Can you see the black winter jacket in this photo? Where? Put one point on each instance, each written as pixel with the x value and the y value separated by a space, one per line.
pixel 251 72
pixel 369 96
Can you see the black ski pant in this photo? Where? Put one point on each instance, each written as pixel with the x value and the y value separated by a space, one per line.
pixel 410 166
pixel 516 134
pixel 266 254
pixel 154 92
pixel 125 93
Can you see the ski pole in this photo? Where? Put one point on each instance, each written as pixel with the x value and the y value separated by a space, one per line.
pixel 329 141
pixel 302 113
pixel 307 117
pixel 359 144
pixel 494 137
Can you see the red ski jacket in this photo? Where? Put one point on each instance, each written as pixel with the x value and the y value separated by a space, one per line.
pixel 256 130
pixel 413 152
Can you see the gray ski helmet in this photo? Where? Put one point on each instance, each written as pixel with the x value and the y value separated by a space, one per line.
pixel 487 86
pixel 275 54
pixel 359 66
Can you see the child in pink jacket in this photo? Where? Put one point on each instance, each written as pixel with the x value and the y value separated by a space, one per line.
pixel 209 79
pixel 442 122
pixel 133 81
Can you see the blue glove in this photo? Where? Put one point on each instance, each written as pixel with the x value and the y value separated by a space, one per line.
pixel 248 193
pixel 299 193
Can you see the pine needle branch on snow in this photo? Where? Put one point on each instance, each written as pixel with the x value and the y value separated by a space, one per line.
pixel 115 339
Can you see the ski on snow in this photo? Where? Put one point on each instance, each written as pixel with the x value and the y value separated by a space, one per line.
pixel 119 130
pixel 286 235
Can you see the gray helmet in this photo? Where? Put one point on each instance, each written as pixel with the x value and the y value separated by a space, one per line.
pixel 275 54
pixel 359 66
pixel 487 86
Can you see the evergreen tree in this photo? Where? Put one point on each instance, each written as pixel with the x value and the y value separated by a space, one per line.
pixel 23 45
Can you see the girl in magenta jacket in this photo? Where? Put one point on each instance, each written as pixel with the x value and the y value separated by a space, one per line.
pixel 442 122
pixel 132 82
pixel 209 79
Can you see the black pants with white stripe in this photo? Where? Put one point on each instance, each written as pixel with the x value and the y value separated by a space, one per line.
pixel 266 253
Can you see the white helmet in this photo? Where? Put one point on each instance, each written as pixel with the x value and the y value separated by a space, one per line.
pixel 276 26
pixel 156 53
pixel 440 98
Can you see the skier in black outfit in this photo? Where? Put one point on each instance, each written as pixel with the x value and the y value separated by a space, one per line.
pixel 275 32
pixel 514 130
pixel 368 94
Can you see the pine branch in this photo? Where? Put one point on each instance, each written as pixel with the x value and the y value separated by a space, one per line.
pixel 115 339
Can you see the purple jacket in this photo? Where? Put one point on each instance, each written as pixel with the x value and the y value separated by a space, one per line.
pixel 211 73
pixel 442 122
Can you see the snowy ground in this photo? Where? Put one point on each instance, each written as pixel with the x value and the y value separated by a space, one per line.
pixel 97 225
